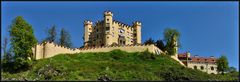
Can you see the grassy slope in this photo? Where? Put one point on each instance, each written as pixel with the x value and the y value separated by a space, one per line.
pixel 117 65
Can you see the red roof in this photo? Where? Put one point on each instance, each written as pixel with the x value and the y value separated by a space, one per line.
pixel 182 55
pixel 202 59
pixel 198 59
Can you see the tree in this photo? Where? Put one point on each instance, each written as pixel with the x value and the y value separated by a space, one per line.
pixel 231 69
pixel 5 47
pixel 51 34
pixel 159 43
pixel 149 41
pixel 65 39
pixel 222 64
pixel 22 40
pixel 170 37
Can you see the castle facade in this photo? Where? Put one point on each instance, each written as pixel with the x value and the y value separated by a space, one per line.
pixel 111 32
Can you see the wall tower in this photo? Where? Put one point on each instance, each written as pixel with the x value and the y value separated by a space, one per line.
pixel 137 31
pixel 87 32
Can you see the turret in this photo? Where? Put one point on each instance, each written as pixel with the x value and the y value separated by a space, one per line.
pixel 87 31
pixel 108 20
pixel 175 45
pixel 137 26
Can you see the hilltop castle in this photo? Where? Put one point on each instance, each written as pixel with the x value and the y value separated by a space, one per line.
pixel 109 32
pixel 103 36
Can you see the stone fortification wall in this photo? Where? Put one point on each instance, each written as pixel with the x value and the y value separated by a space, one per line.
pixel 50 49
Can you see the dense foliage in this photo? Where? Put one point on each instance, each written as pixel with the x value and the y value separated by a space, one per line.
pixel 222 64
pixel 171 36
pixel 22 40
pixel 114 65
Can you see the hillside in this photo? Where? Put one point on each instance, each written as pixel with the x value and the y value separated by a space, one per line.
pixel 116 65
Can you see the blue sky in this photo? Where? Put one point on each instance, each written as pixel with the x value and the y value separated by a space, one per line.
pixel 207 28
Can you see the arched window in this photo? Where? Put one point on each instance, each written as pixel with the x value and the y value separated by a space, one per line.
pixel 202 67
pixel 195 67
pixel 212 68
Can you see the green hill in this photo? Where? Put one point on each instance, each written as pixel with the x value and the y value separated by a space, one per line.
pixel 116 65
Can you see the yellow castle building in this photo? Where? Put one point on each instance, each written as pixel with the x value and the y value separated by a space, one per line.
pixel 111 32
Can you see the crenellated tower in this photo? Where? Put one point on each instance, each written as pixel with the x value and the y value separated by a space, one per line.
pixel 87 32
pixel 108 24
pixel 137 31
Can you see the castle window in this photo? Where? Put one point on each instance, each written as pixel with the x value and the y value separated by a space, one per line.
pixel 90 28
pixel 202 67
pixel 195 67
pixel 135 35
pixel 107 28
pixel 107 25
pixel 107 19
pixel 107 37
pixel 212 68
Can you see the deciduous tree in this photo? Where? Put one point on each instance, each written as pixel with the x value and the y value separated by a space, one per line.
pixel 52 34
pixel 159 43
pixel 65 38
pixel 22 40
pixel 222 64
pixel 170 36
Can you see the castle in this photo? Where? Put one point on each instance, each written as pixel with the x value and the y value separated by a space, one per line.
pixel 104 36
pixel 111 32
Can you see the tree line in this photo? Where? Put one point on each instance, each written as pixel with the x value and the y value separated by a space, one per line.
pixel 19 57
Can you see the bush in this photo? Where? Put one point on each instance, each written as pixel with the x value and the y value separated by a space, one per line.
pixel 146 55
pixel 118 54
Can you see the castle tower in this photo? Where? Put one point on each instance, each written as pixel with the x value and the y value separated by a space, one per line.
pixel 108 20
pixel 175 45
pixel 137 26
pixel 87 32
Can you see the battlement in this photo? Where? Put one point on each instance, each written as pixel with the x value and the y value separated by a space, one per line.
pixel 86 22
pixel 138 23
pixel 108 13
pixel 50 49
pixel 121 24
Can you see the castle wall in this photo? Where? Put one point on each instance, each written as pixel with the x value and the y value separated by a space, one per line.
pixel 137 48
pixel 46 50
pixel 50 49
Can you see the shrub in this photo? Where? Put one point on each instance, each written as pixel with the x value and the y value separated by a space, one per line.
pixel 146 55
pixel 118 54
